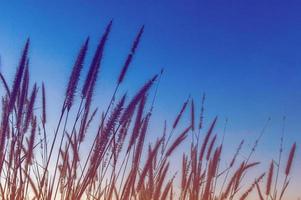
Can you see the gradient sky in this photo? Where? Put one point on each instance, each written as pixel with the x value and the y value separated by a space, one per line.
pixel 244 54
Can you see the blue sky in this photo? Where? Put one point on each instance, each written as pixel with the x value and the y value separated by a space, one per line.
pixel 244 54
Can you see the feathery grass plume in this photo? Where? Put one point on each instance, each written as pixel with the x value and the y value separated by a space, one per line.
pixel 148 163
pixel 138 152
pixel 84 121
pixel 270 179
pixel 192 115
pixel 95 64
pixel 248 166
pixel 195 173
pixel 238 177
pixel 177 141
pixel 210 147
pixel 75 74
pixel 135 100
pixel 123 131
pixel 43 120
pixel 24 83
pixel 180 114
pixel 141 142
pixel 138 123
pixel 247 193
pixel 202 112
pixel 23 95
pixel 18 77
pixel 206 140
pixel 105 134
pixel 30 106
pixel 136 160
pixel 130 56
pixel 234 183
pixel 164 137
pixel 90 81
pixel 43 104
pixel 245 167
pixel 212 172
pixel 290 160
pixel 90 119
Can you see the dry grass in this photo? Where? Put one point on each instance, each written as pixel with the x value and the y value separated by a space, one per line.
pixel 113 167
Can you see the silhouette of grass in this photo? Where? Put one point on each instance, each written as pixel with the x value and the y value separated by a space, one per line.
pixel 113 167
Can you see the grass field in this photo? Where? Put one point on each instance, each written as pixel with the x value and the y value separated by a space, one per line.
pixel 41 164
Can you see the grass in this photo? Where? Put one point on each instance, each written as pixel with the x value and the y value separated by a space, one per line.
pixel 119 164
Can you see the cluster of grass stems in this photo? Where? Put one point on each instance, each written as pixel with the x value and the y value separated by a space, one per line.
pixel 118 164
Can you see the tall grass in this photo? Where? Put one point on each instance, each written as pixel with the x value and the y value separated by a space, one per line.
pixel 36 163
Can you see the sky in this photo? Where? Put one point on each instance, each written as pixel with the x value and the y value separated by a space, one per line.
pixel 245 55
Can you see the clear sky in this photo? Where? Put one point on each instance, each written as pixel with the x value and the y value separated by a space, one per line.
pixel 244 54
